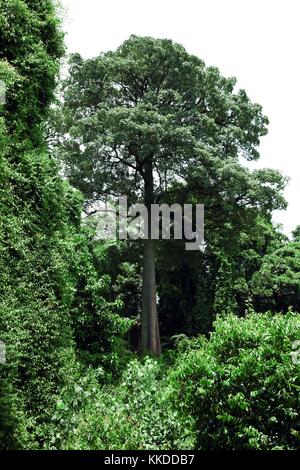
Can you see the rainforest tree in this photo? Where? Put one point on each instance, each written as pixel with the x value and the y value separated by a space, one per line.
pixel 136 120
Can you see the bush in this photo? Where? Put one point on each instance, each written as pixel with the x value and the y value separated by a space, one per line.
pixel 135 414
pixel 241 386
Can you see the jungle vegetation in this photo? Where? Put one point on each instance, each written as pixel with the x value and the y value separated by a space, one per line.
pixel 138 344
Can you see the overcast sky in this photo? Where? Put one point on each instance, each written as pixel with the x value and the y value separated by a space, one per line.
pixel 257 41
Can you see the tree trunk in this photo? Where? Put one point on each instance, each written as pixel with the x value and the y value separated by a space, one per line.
pixel 150 338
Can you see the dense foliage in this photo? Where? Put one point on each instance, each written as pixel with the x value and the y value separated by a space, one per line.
pixel 242 386
pixel 47 276
pixel 70 305
pixel 239 389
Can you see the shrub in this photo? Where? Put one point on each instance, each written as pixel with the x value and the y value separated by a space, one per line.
pixel 135 414
pixel 241 386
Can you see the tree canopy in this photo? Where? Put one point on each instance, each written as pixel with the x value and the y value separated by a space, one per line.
pixel 148 117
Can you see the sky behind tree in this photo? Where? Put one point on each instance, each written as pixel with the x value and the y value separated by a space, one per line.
pixel 257 41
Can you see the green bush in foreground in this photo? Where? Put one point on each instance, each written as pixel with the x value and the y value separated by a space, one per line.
pixel 135 414
pixel 237 390
pixel 242 386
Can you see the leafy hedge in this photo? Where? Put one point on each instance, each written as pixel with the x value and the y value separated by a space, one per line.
pixel 134 414
pixel 50 291
pixel 242 386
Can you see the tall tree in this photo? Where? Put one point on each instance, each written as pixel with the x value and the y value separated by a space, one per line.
pixel 138 119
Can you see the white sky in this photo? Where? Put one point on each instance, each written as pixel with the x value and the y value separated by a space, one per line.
pixel 257 41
